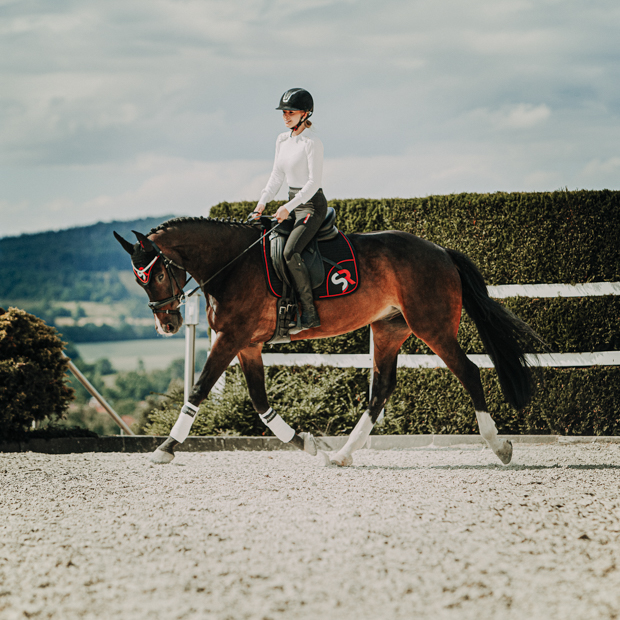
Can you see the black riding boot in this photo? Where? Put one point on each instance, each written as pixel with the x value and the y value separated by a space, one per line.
pixel 298 270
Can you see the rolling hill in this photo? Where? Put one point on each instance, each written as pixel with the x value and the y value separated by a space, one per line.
pixel 78 280
pixel 76 264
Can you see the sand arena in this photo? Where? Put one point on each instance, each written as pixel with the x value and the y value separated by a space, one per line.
pixel 422 533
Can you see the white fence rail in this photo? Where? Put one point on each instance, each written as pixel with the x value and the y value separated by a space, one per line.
pixel 603 358
pixel 593 289
pixel 555 360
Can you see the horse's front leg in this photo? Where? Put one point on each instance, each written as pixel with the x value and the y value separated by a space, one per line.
pixel 222 353
pixel 251 362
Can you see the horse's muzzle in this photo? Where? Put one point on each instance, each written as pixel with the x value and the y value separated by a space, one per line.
pixel 168 324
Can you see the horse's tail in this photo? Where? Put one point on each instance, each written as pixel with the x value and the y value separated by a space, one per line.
pixel 503 334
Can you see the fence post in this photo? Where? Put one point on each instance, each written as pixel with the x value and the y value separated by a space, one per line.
pixel 93 392
pixel 192 312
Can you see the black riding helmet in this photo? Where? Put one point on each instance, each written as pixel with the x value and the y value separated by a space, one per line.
pixel 297 100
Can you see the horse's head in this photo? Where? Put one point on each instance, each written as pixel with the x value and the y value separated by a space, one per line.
pixel 161 278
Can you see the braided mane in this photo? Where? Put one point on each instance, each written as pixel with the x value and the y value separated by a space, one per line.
pixel 182 221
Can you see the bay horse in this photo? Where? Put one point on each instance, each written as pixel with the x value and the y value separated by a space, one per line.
pixel 407 285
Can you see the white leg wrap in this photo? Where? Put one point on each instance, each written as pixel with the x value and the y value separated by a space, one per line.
pixel 359 435
pixel 488 430
pixel 183 425
pixel 277 425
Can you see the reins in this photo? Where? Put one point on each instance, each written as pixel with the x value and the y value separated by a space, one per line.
pixel 182 297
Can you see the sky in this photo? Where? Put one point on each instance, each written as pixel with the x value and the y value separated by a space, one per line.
pixel 123 109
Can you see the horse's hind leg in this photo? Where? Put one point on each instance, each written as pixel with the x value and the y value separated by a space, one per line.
pixel 469 375
pixel 388 336
pixel 252 366
pixel 434 318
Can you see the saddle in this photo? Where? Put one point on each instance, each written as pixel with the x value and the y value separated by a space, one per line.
pixel 328 247
pixel 311 254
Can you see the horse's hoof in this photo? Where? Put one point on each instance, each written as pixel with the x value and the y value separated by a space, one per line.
pixel 323 459
pixel 505 452
pixel 309 443
pixel 342 461
pixel 161 458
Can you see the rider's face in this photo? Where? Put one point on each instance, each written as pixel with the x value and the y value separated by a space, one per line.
pixel 291 118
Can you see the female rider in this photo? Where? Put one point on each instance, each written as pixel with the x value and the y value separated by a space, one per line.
pixel 299 159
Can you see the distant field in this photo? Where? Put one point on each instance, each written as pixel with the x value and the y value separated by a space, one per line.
pixel 124 354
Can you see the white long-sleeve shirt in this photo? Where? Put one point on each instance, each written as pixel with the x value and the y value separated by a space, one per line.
pixel 299 160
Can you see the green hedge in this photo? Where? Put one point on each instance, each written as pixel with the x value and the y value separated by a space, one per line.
pixel 514 238
pixel 568 401
pixel 329 401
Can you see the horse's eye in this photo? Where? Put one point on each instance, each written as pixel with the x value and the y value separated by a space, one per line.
pixel 160 277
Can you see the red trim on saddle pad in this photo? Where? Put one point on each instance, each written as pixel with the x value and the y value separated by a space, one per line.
pixel 340 280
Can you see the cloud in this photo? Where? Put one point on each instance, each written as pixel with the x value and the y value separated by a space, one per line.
pixel 185 187
pixel 89 89
pixel 94 82
pixel 153 185
pixel 516 116
pixel 599 171
pixel 160 186
pixel 523 116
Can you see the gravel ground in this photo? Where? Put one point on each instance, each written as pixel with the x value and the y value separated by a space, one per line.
pixel 425 533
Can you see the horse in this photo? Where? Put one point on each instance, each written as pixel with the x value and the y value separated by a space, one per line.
pixel 407 285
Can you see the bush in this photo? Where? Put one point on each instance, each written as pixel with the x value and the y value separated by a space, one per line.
pixel 32 372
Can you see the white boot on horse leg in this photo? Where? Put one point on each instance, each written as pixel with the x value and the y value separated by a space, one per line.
pixel 280 428
pixel 165 453
pixel 357 439
pixel 488 430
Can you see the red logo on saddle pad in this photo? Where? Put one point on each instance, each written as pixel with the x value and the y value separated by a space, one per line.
pixel 339 280
pixel 343 278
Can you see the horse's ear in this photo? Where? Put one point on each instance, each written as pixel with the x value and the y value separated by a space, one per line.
pixel 147 246
pixel 128 247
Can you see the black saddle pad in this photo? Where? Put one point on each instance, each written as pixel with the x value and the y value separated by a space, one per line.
pixel 340 279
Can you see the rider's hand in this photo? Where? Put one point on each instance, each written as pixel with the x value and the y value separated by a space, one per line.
pixel 257 212
pixel 281 214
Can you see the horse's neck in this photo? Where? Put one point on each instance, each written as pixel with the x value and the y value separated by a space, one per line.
pixel 207 249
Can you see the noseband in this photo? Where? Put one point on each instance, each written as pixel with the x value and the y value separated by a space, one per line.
pixel 143 277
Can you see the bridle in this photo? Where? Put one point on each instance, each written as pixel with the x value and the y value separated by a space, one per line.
pixel 144 274
pixel 143 277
